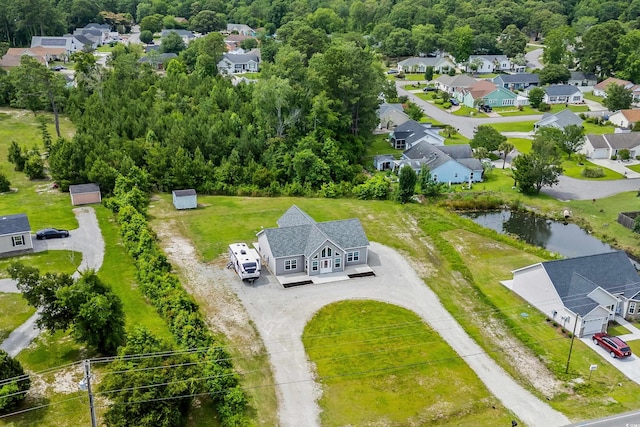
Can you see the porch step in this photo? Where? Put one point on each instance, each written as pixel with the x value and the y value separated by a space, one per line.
pixel 300 283
pixel 363 274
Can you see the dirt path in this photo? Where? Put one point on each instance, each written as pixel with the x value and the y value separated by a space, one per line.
pixel 281 314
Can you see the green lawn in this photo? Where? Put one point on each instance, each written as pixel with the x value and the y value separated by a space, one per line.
pixel 366 371
pixel 526 126
pixel 455 139
pixel 14 311
pixel 105 48
pixel 615 329
pixel 523 145
pixel 635 168
pixel 380 145
pixel 591 128
pixel 514 111
pixel 556 108
pixel 48 261
pixel 592 97
pixel 467 111
pixel 573 169
pixel 414 77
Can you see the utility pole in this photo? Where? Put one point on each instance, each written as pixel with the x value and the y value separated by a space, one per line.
pixel 87 383
pixel 573 336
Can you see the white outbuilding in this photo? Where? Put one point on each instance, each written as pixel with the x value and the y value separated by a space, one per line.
pixel 185 199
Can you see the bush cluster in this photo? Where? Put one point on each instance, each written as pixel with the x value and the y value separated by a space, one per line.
pixel 589 172
pixel 172 302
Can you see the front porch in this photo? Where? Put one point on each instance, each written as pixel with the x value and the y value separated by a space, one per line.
pixel 298 279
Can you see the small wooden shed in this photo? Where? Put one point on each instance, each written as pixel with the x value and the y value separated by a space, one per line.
pixel 185 199
pixel 84 194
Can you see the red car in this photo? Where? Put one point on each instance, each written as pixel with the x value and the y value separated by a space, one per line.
pixel 615 346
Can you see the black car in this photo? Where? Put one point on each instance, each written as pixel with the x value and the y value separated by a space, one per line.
pixel 58 68
pixel 428 89
pixel 454 102
pixel 51 233
pixel 486 108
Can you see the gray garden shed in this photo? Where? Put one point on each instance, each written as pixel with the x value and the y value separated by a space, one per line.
pixel 185 199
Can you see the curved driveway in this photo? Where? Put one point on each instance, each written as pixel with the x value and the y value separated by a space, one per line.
pixel 578 189
pixel 281 314
pixel 465 125
pixel 87 239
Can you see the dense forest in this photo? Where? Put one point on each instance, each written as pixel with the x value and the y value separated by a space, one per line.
pixel 304 126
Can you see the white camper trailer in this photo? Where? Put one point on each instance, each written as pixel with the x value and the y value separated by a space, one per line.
pixel 245 261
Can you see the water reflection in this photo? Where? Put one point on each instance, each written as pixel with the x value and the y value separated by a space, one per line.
pixel 568 240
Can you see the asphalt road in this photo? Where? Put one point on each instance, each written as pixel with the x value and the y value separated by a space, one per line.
pixel 280 316
pixel 87 239
pixel 533 58
pixel 629 419
pixel 577 189
pixel 465 125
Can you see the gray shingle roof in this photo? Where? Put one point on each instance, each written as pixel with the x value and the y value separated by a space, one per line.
pixel 581 75
pixel 240 58
pixel 184 193
pixel 12 224
pixel 385 108
pixel 84 188
pixel 597 141
pixel 526 78
pixel 562 118
pixel 459 151
pixel 412 131
pixel 620 141
pixel 82 39
pixel 428 154
pixel 471 163
pixel 427 61
pixel 299 234
pixel 181 33
pixel 574 278
pixel 561 90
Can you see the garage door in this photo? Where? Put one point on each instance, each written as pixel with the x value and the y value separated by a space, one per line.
pixel 592 326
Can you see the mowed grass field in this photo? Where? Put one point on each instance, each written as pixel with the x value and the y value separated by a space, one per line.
pixel 368 362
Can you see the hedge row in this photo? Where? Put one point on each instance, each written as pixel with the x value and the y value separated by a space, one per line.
pixel 173 303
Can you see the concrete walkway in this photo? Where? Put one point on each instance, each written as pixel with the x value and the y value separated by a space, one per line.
pixel 618 166
pixel 87 239
pixel 280 316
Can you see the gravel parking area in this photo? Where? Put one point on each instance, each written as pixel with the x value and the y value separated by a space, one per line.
pixel 281 314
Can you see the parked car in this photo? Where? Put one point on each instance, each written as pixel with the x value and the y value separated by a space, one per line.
pixel 392 71
pixel 454 102
pixel 58 68
pixel 51 233
pixel 615 346
pixel 428 89
pixel 486 108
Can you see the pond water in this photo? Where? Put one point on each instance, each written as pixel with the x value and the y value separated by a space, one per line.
pixel 567 239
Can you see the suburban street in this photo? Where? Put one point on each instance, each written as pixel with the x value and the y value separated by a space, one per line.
pixel 87 239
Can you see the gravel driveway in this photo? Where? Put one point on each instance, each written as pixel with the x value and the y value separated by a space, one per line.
pixel 281 314
pixel 87 239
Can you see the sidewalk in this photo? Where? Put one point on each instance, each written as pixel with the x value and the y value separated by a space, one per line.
pixel 635 332
pixel 618 166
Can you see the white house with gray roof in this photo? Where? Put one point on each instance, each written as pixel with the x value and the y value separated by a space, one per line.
pixel 590 290
pixel 71 43
pixel 300 245
pixel 391 115
pixel 608 145
pixel 562 94
pixel 559 120
pixel 520 81
pixel 447 164
pixel 235 63
pixel 15 235
pixel 409 133
pixel 419 65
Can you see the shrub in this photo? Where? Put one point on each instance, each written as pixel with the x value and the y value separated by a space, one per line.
pixel 544 106
pixel 11 368
pixel 624 154
pixel 439 101
pixel 446 105
pixel 589 172
pixel 5 185
pixel 614 157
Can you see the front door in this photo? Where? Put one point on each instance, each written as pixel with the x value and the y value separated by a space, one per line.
pixel 325 266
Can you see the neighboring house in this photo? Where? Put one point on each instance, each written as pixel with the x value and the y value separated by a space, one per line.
pixel 98 33
pixel 409 133
pixel 452 84
pixel 520 81
pixel 449 163
pixel 608 145
pixel 157 60
pixel 486 93
pixel 419 65
pixel 590 290
pixel 185 199
pixel 84 194
pixel 492 64
pixel 601 88
pixel 15 235
pixel 625 119
pixel 558 120
pixel 233 41
pixel 43 55
pixel 186 35
pixel 582 79
pixel 391 115
pixel 234 63
pixel 562 94
pixel 243 29
pixel 383 162
pixel 68 42
pixel 300 245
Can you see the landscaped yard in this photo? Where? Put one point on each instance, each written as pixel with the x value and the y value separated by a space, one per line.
pixel 592 97
pixel 380 145
pixel 574 170
pixel 635 168
pixel 354 355
pixel 513 126
pixel 49 261
pixel 523 145
pixel 14 311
